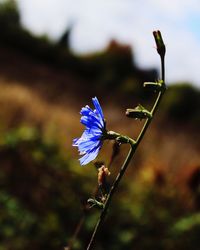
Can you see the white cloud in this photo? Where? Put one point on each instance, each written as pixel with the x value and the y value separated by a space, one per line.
pixel 96 22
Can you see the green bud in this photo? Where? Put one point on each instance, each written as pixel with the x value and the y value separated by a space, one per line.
pixel 123 139
pixel 159 43
pixel 138 113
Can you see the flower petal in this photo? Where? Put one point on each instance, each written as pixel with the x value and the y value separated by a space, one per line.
pixel 86 146
pixel 91 121
pixel 89 157
pixel 98 109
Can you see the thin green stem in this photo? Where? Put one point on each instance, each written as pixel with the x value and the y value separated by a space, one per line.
pixel 134 145
pixel 132 150
pixel 155 106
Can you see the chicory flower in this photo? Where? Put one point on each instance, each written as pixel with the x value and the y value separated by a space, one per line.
pixel 90 143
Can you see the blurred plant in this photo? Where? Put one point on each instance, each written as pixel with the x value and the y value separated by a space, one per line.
pixel 34 195
pixel 95 133
pixel 9 14
pixel 183 100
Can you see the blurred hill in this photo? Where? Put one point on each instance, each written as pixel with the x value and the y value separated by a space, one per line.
pixel 110 70
pixel 57 74
pixel 43 188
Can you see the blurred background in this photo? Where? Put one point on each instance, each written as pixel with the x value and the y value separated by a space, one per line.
pixel 54 57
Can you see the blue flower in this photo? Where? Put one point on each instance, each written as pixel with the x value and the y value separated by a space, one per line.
pixel 91 140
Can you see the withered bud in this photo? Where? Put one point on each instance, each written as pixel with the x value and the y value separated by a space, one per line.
pixel 103 172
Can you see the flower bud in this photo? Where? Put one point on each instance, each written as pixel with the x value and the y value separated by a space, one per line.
pixel 138 113
pixel 159 43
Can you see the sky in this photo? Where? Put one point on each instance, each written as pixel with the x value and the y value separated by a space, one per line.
pixel 96 22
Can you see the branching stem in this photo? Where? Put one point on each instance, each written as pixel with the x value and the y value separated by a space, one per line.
pixel 133 147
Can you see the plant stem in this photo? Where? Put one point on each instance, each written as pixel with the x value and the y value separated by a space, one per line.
pixel 75 235
pixel 109 197
pixel 155 106
pixel 133 147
